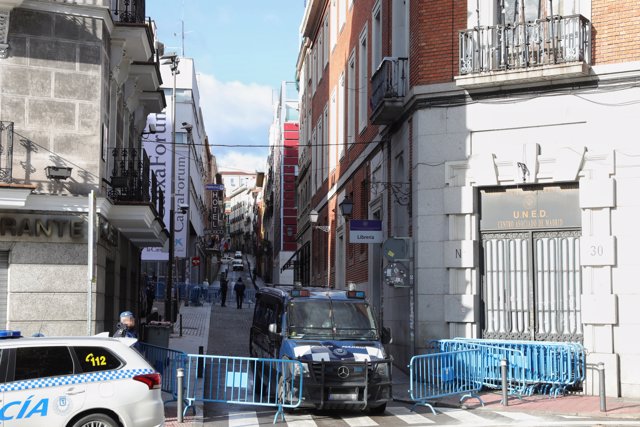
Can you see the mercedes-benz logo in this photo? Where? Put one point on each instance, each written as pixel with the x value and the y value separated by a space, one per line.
pixel 343 372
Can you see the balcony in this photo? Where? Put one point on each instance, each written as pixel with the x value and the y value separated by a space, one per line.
pixel 6 152
pixel 132 25
pixel 556 47
pixel 138 200
pixel 12 193
pixel 388 88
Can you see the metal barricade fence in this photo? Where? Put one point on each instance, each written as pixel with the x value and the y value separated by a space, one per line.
pixel 166 362
pixel 436 375
pixel 549 367
pixel 489 358
pixel 244 380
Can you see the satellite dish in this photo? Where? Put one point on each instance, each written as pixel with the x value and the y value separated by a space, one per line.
pixel 396 248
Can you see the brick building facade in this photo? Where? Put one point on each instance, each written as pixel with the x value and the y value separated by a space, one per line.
pixel 499 138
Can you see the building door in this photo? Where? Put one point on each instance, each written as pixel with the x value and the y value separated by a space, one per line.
pixel 531 285
pixel 4 286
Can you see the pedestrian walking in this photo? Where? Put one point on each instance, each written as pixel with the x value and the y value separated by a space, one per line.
pixel 127 326
pixel 239 288
pixel 223 290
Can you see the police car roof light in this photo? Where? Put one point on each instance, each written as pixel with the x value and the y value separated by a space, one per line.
pixel 6 333
pixel 355 294
pixel 300 293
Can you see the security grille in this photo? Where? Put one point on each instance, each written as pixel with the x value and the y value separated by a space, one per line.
pixel 531 285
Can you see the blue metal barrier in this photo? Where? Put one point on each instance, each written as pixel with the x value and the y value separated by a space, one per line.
pixel 436 375
pixel 488 362
pixel 244 380
pixel 549 367
pixel 166 362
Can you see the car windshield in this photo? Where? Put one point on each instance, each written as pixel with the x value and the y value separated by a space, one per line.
pixel 331 319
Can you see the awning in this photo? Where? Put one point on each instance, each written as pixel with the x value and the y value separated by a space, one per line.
pixel 291 261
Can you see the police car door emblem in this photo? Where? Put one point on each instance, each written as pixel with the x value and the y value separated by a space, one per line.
pixel 343 372
pixel 63 405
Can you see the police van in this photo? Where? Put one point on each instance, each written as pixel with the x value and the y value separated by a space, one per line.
pixel 76 382
pixel 334 334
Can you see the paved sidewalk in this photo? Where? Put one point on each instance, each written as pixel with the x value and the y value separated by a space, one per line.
pixel 571 405
pixel 194 338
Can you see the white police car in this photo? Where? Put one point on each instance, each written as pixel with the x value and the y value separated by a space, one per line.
pixel 76 382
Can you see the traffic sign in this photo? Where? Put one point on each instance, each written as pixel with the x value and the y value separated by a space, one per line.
pixel 214 187
pixel 195 261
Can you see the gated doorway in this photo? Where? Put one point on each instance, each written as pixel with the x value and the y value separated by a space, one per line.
pixel 531 281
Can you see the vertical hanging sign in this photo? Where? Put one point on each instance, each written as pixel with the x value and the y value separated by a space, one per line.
pixel 181 233
pixel 158 147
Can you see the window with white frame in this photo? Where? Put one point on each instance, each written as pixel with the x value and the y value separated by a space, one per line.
pixel 326 39
pixel 342 14
pixel 314 80
pixel 363 81
pixel 376 36
pixel 333 124
pixel 352 92
pixel 341 115
pixel 320 63
pixel 325 144
pixel 316 161
pixel 334 24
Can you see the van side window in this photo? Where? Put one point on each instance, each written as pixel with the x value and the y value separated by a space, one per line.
pixel 42 362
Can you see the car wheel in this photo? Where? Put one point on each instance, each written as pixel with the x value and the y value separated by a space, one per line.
pixel 96 420
pixel 377 410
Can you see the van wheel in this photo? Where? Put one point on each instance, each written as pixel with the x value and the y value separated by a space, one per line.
pixel 377 410
pixel 96 420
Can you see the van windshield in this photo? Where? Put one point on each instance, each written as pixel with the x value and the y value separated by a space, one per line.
pixel 331 319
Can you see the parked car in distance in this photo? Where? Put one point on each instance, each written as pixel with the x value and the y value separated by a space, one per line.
pixel 238 255
pixel 226 259
pixel 238 264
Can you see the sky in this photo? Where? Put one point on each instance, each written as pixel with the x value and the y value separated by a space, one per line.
pixel 243 50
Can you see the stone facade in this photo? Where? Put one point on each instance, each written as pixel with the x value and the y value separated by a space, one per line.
pixel 71 105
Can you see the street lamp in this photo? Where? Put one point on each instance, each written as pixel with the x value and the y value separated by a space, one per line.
pixel 169 312
pixel 313 218
pixel 346 207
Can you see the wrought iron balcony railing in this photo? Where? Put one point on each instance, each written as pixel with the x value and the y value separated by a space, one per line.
pixel 132 180
pixel 6 152
pixel 552 40
pixel 388 88
pixel 128 11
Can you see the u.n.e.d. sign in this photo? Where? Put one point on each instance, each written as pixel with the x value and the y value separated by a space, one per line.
pixel 365 231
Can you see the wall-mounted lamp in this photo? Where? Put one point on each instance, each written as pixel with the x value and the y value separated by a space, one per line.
pixel 57 172
pixel 313 217
pixel 346 207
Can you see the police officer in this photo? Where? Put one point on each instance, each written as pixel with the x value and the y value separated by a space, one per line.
pixel 224 285
pixel 127 326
